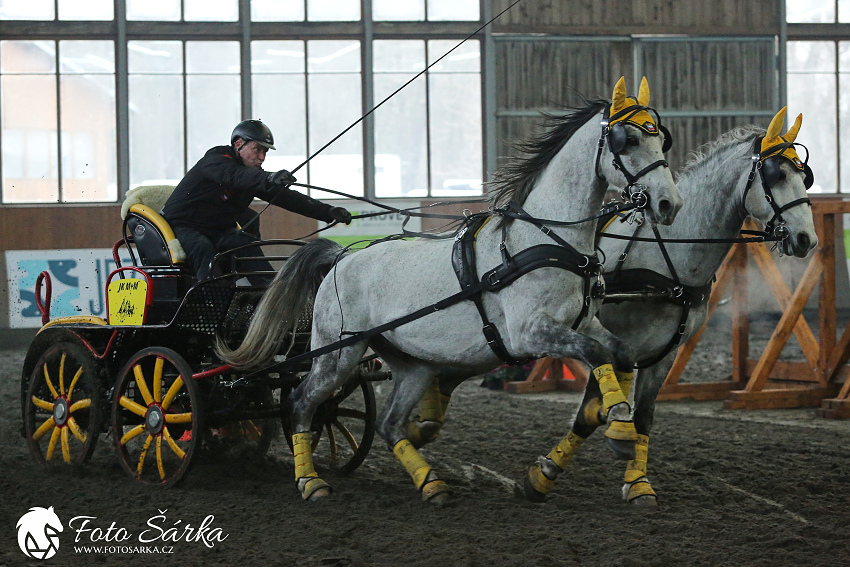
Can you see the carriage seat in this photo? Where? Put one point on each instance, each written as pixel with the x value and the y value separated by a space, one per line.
pixel 154 238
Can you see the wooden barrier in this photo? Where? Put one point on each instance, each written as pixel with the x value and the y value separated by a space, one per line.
pixel 548 375
pixel 765 382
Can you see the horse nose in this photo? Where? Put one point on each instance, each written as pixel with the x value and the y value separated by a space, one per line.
pixel 665 211
pixel 804 242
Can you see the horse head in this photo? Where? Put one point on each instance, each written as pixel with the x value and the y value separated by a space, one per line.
pixel 631 154
pixel 782 204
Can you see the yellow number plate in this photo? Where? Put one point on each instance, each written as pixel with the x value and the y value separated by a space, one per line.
pixel 127 301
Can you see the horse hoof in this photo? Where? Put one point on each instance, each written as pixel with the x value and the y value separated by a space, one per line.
pixel 623 450
pixel 526 491
pixel 319 494
pixel 436 492
pixel 640 493
pixel 440 500
pixel 645 501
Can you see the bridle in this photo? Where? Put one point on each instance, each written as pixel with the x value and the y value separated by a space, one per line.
pixel 617 139
pixel 768 165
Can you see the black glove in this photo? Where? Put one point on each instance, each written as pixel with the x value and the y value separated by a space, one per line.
pixel 281 177
pixel 340 215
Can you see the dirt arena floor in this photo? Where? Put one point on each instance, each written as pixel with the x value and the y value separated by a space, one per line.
pixel 736 488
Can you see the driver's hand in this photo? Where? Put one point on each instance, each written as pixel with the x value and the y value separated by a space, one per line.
pixel 340 215
pixel 282 177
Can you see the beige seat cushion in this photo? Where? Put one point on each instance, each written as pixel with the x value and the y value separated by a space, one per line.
pixel 154 197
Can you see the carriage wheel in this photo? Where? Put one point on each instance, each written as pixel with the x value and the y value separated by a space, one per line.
pixel 246 438
pixel 156 416
pixel 63 407
pixel 343 427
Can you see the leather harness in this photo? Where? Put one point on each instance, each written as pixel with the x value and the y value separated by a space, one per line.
pixel 560 255
pixel 640 284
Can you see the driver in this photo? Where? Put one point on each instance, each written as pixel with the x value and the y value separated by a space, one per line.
pixel 217 192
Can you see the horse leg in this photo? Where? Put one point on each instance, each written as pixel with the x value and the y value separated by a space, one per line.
pixel 329 373
pixel 547 338
pixel 636 488
pixel 433 406
pixel 541 476
pixel 620 436
pixel 412 379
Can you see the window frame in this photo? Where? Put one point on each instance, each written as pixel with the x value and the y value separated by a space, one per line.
pixel 244 31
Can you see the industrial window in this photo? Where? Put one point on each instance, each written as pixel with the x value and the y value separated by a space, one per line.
pixel 57 121
pixel 86 120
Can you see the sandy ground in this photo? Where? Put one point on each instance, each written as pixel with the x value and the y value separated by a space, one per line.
pixel 737 488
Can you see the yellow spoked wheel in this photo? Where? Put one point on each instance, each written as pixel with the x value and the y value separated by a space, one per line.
pixel 343 427
pixel 63 406
pixel 156 418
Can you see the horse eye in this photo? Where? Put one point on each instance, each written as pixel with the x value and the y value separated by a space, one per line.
pixel 632 141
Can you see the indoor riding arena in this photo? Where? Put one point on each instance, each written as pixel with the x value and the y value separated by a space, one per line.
pixel 356 282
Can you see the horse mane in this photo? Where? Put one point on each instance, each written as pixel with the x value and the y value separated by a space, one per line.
pixel 515 180
pixel 698 158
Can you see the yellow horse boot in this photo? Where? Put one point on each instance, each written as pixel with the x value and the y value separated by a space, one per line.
pixel 540 480
pixel 432 488
pixel 625 379
pixel 620 436
pixel 307 480
pixel 593 413
pixel 637 490
pixel 432 413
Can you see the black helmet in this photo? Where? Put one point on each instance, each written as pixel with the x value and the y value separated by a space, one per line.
pixel 253 130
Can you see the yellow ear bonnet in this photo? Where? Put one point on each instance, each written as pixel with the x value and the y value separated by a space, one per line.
pixel 772 139
pixel 620 102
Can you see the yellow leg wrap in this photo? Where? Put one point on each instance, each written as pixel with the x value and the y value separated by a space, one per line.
pixel 414 435
pixel 539 481
pixel 413 462
pixel 444 405
pixel 637 466
pixel 591 412
pixel 639 489
pixel 432 407
pixel 306 478
pixel 303 452
pixel 565 450
pixel 621 431
pixel 611 392
pixel 624 379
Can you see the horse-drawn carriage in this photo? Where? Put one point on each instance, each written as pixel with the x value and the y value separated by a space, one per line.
pixel 148 373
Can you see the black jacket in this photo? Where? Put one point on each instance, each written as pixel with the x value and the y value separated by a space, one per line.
pixel 219 187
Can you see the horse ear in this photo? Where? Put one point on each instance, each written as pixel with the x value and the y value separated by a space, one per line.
pixel 776 124
pixel 791 135
pixel 643 94
pixel 618 99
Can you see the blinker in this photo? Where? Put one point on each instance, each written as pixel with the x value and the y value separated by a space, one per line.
pixel 771 171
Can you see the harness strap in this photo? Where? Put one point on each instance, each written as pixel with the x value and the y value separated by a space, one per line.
pixel 674 340
pixel 561 255
pixel 464 265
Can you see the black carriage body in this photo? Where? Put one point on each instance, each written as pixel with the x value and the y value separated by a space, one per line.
pixel 182 322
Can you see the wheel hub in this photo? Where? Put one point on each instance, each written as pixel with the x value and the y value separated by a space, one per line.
pixel 154 420
pixel 60 411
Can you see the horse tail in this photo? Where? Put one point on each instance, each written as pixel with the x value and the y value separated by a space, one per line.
pixel 278 312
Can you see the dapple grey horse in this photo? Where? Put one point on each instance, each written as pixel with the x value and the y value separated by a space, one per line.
pixel 564 178
pixel 746 172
